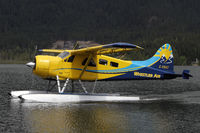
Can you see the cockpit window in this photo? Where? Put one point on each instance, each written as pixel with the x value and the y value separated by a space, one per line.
pixel 71 58
pixel 63 54
pixel 92 63
pixel 103 62
pixel 114 64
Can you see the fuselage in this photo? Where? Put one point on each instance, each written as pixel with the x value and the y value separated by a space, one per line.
pixel 101 67
pixel 91 65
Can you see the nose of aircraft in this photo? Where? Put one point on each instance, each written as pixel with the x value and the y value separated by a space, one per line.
pixel 43 64
pixel 30 64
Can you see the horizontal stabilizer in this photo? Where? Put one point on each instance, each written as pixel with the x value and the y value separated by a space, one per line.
pixel 186 74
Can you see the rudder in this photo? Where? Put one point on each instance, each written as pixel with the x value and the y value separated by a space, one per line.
pixel 164 57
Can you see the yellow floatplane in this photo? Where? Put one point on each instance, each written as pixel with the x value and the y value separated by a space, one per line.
pixel 92 64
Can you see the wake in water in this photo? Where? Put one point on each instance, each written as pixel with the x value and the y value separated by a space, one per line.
pixel 192 97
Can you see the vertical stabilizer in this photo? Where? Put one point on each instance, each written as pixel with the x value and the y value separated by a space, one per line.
pixel 164 57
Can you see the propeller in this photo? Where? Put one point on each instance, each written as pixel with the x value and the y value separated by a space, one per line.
pixel 32 64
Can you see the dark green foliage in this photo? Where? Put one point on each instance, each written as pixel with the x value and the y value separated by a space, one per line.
pixel 148 23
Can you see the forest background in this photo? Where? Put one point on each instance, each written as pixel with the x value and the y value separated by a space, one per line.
pixel 147 23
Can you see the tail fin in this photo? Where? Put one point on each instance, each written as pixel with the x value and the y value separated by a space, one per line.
pixel 164 58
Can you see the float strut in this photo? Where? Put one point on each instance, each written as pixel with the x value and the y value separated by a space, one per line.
pixel 95 83
pixel 83 86
pixel 66 82
pixel 72 85
pixel 49 84
pixel 58 83
pixel 65 85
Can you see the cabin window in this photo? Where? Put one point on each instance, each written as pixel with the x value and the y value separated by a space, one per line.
pixel 114 64
pixel 92 63
pixel 71 58
pixel 103 62
pixel 63 54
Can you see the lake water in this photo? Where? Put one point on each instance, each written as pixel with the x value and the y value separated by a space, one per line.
pixel 170 106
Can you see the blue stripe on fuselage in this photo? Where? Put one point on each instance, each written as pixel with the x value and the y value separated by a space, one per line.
pixel 150 73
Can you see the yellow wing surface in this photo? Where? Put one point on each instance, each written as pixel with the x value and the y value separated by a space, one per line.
pixel 52 50
pixel 106 49
pixel 98 50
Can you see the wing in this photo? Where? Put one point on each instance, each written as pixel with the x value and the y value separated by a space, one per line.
pixel 106 49
pixel 102 49
pixel 51 50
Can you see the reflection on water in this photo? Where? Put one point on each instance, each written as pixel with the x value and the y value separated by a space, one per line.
pixel 73 117
pixel 133 117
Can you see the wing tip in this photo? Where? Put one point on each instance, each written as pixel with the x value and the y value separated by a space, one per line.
pixel 122 45
pixel 139 47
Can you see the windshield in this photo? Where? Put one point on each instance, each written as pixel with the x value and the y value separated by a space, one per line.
pixel 63 54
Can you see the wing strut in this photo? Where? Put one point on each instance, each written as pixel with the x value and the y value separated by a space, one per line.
pixel 86 65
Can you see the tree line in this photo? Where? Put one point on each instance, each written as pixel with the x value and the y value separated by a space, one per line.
pixel 148 23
